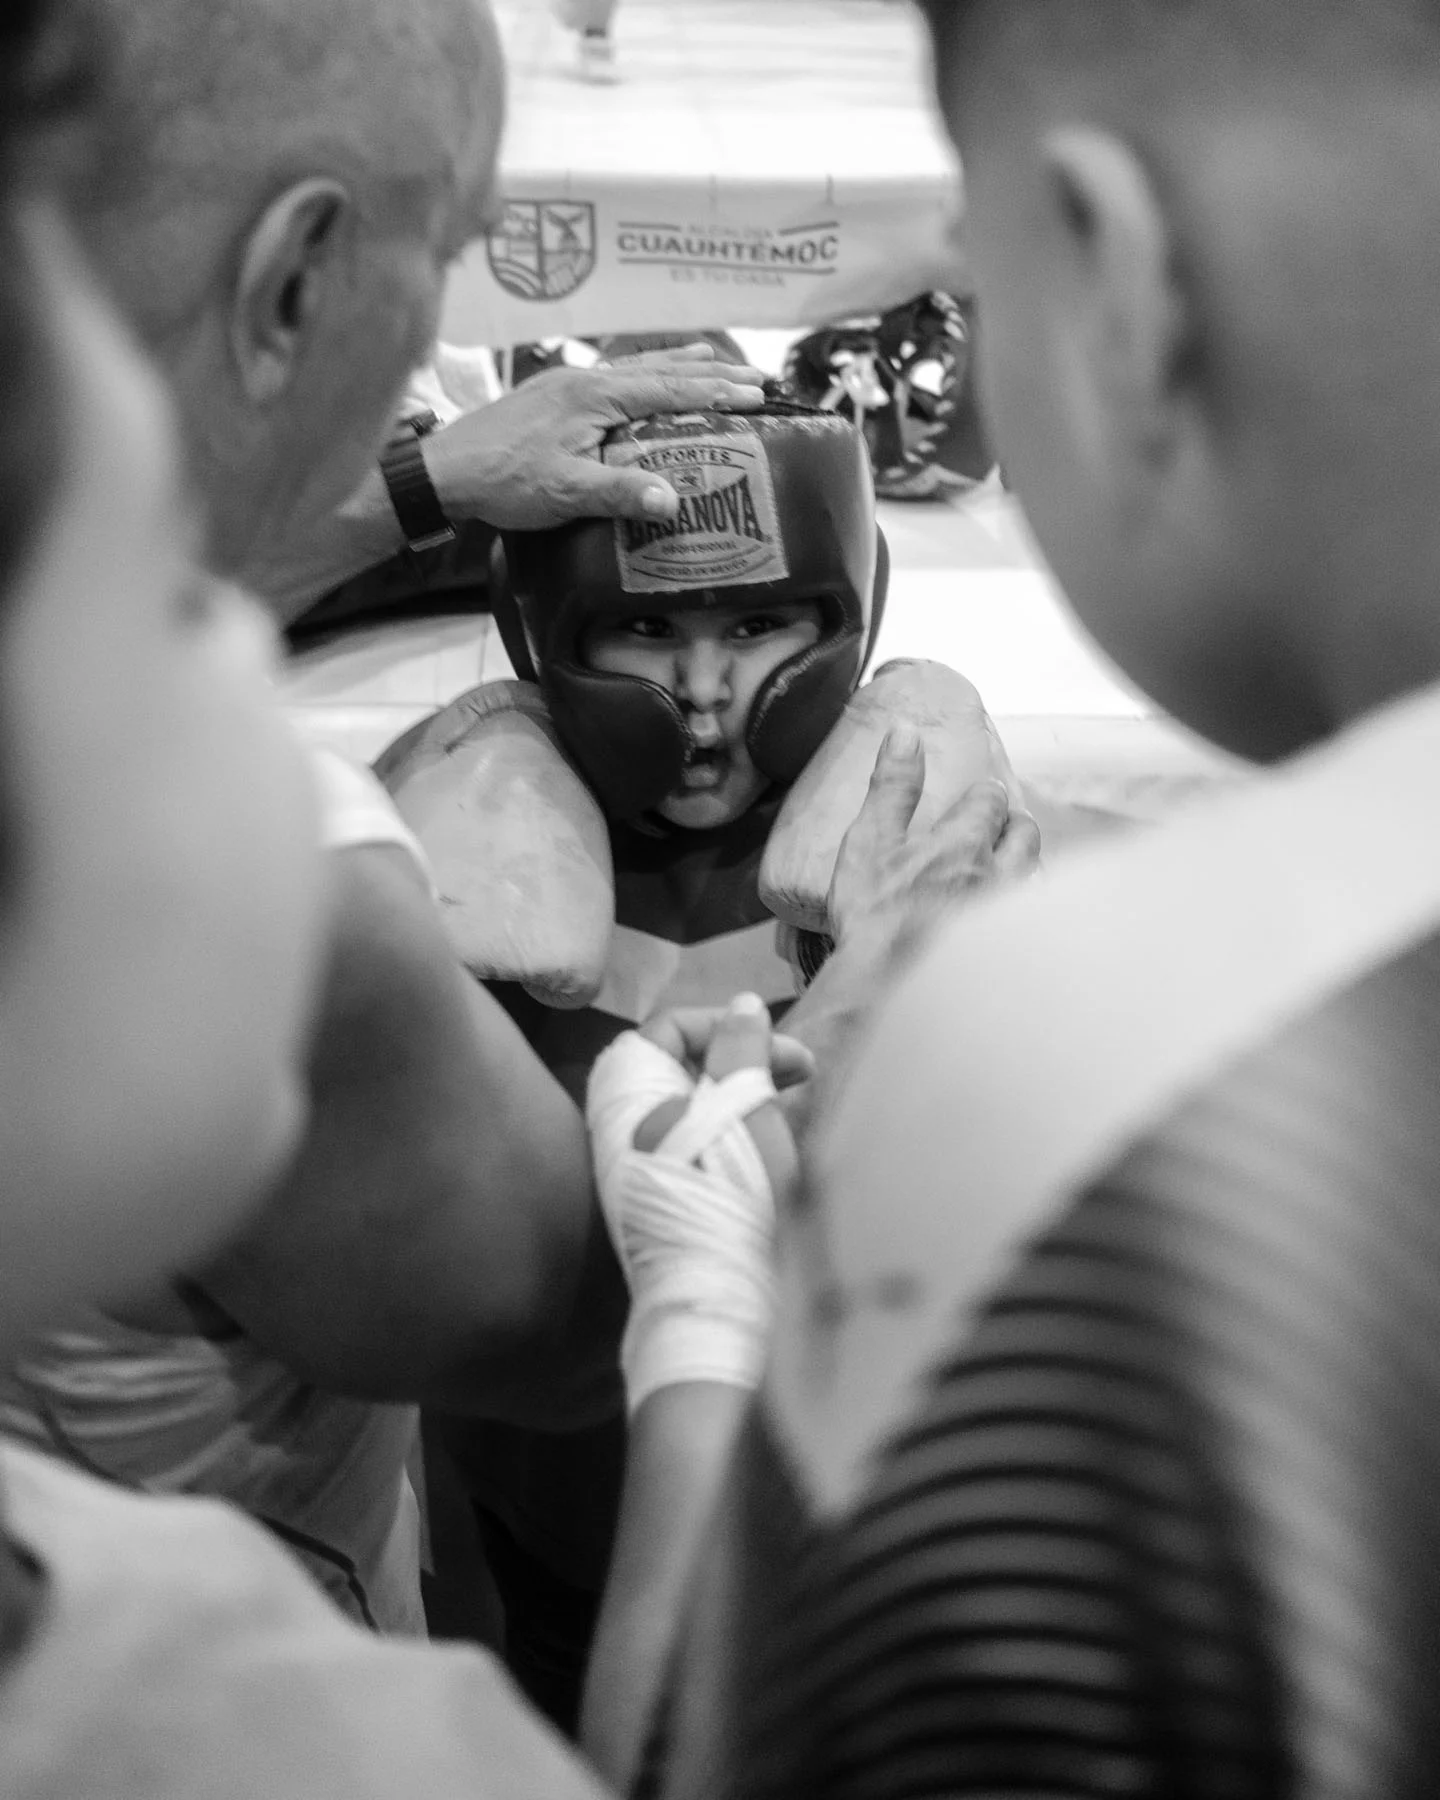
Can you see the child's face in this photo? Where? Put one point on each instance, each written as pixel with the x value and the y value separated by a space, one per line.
pixel 713 660
pixel 160 920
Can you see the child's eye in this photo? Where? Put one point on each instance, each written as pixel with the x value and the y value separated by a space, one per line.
pixel 758 625
pixel 648 627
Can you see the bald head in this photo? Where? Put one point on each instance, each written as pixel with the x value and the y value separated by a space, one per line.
pixel 302 173
pixel 227 100
pixel 1203 239
pixel 1271 129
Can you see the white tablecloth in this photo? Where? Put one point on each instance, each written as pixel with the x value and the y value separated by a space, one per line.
pixel 758 163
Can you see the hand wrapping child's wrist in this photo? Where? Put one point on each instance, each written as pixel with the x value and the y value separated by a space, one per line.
pixel 692 1221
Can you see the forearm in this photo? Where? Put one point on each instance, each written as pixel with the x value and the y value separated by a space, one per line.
pixel 681 1442
pixel 428 1321
pixel 554 1366
pixel 526 460
pixel 546 1352
pixel 437 1237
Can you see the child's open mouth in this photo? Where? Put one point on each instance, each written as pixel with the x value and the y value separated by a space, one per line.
pixel 705 769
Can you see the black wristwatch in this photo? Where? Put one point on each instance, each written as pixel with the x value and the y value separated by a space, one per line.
pixel 412 493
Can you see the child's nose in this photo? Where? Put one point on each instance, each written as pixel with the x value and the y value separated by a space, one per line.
pixel 706 731
pixel 704 676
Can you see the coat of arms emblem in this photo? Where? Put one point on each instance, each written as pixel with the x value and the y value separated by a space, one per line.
pixel 543 249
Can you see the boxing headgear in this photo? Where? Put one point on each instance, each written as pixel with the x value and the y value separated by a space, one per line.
pixel 774 506
pixel 901 376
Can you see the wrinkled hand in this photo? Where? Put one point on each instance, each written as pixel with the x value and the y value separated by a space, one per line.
pixel 531 458
pixel 892 884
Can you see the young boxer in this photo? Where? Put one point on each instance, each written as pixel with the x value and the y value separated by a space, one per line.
pixel 689 674
pixel 680 683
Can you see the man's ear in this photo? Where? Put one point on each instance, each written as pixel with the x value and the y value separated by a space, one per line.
pixel 1133 332
pixel 288 260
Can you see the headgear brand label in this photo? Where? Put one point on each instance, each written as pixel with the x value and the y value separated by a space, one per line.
pixel 726 533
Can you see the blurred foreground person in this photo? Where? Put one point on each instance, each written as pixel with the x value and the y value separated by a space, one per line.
pixel 162 897
pixel 296 181
pixel 1099 1450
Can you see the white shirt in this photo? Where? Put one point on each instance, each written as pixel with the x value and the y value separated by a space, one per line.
pixel 178 1654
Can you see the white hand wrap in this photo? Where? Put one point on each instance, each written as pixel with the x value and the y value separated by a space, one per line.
pixel 693 1221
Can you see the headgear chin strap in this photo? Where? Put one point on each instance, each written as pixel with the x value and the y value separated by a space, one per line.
pixel 774 506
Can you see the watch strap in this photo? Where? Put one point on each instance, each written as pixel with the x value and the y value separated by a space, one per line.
pixel 412 493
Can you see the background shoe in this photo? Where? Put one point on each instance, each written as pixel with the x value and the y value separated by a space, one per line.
pixel 597 58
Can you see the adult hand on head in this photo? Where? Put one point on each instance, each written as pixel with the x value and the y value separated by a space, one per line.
pixel 692 1156
pixel 531 458
pixel 893 884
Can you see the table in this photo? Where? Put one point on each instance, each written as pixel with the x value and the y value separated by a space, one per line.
pixel 758 164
